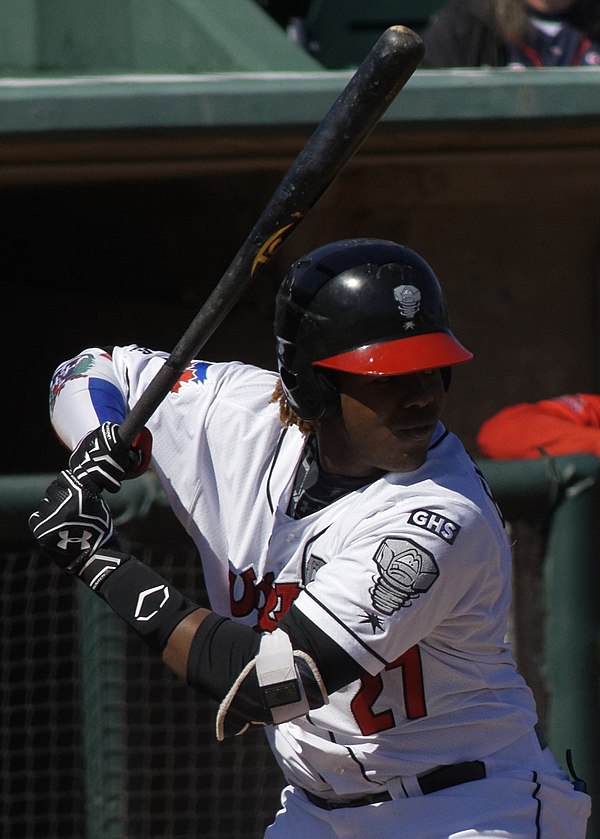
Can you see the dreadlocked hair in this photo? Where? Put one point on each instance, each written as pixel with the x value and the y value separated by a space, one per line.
pixel 287 415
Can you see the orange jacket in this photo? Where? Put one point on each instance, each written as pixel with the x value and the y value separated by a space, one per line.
pixel 565 425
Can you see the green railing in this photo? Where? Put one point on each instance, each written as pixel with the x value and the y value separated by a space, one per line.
pixel 562 494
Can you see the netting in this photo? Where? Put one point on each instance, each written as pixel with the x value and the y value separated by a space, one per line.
pixel 182 781
pixel 178 781
pixel 41 770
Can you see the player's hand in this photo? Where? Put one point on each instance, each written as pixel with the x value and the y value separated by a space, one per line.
pixel 103 461
pixel 71 523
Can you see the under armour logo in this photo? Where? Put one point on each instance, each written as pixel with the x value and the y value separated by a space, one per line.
pixel 66 540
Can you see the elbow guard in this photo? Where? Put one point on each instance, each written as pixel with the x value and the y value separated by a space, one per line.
pixel 277 669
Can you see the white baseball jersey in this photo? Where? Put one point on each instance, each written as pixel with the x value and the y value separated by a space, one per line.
pixel 409 574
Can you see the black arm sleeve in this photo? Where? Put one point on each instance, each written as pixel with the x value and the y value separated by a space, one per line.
pixel 336 667
pixel 219 652
pixel 222 648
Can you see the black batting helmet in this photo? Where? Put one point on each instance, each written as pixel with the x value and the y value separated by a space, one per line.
pixel 365 306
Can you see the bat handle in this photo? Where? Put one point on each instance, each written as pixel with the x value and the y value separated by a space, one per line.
pixel 212 313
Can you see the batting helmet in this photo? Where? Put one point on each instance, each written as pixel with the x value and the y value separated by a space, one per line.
pixel 364 306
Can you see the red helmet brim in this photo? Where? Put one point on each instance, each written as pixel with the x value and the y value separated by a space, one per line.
pixel 400 356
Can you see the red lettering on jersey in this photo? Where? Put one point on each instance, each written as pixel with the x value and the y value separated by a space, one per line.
pixel 244 604
pixel 362 707
pixel 263 592
pixel 371 722
pixel 412 679
pixel 270 599
pixel 280 599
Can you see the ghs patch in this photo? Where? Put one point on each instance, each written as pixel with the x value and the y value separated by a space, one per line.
pixel 445 528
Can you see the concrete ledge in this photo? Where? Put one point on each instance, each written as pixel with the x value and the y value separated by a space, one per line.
pixel 263 101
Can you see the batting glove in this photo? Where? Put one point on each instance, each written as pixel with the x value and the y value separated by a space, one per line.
pixel 71 523
pixel 103 461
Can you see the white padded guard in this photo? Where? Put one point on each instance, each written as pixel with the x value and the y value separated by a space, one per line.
pixel 274 664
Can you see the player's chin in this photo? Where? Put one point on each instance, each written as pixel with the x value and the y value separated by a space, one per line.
pixel 407 449
pixel 415 434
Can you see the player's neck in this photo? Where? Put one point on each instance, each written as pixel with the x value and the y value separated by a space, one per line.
pixel 335 464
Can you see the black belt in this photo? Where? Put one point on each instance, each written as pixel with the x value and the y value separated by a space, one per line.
pixel 437 779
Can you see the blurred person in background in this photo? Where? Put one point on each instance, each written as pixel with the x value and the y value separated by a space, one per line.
pixel 566 424
pixel 514 33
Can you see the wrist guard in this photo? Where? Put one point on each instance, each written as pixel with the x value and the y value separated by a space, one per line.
pixel 138 595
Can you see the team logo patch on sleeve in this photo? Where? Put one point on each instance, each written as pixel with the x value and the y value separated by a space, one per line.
pixel 75 368
pixel 195 373
pixel 445 528
pixel 406 570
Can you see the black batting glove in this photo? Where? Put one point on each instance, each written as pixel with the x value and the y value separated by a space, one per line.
pixel 74 528
pixel 102 461
pixel 71 523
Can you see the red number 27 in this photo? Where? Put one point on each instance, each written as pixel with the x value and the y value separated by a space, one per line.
pixel 371 722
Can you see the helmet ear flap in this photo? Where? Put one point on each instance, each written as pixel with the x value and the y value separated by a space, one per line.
pixel 310 392
pixel 328 390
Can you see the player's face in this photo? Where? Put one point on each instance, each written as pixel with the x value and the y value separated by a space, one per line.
pixel 385 423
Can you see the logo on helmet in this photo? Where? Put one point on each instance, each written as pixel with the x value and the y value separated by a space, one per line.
pixel 408 299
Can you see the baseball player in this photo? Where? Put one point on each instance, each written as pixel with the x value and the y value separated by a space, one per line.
pixel 357 566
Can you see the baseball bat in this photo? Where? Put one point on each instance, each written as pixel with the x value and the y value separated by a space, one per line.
pixel 371 89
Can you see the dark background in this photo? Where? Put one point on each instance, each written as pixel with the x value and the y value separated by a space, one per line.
pixel 508 218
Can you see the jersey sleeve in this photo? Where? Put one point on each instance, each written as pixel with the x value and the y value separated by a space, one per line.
pixel 565 425
pixel 99 385
pixel 86 391
pixel 390 587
